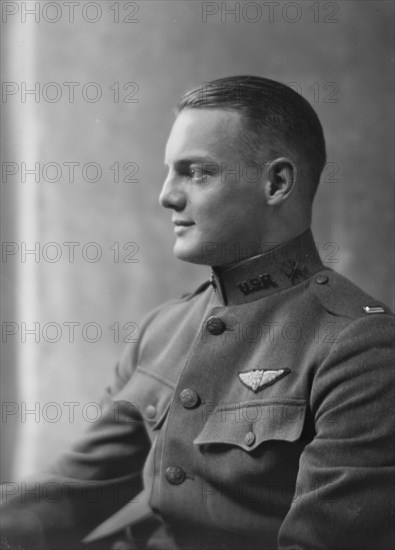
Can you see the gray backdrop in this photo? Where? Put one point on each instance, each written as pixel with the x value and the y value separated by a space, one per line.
pixel 339 55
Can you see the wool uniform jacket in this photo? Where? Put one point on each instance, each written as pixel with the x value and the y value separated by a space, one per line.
pixel 254 413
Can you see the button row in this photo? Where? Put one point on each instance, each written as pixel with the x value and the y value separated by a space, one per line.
pixel 189 399
pixel 174 474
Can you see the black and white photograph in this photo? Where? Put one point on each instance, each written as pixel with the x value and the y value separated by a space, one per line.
pixel 197 275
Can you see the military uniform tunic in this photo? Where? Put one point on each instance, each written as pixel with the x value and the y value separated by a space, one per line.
pixel 254 413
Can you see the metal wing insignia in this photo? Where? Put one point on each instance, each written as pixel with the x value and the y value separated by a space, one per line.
pixel 258 379
pixel 252 378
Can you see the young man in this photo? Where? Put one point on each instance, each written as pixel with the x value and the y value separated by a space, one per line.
pixel 256 412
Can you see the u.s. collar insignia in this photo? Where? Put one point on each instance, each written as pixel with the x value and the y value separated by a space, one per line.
pixel 258 379
pixel 263 281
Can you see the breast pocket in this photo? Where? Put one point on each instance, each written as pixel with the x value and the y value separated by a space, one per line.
pixel 249 457
pixel 250 425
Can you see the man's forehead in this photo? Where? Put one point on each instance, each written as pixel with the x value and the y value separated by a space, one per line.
pixel 199 132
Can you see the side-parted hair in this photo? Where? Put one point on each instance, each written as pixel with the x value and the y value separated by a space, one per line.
pixel 272 112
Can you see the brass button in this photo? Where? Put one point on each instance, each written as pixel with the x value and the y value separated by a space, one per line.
pixel 249 439
pixel 189 398
pixel 215 325
pixel 150 411
pixel 321 279
pixel 175 475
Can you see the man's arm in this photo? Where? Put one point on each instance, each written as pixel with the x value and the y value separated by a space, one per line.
pixel 88 483
pixel 345 486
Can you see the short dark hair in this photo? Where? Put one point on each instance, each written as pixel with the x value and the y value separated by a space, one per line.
pixel 268 108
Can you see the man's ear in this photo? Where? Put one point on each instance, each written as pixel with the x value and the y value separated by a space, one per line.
pixel 281 179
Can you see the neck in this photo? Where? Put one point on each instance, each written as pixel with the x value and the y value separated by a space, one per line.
pixel 231 254
pixel 276 269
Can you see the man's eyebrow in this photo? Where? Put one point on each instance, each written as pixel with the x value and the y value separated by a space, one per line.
pixel 185 162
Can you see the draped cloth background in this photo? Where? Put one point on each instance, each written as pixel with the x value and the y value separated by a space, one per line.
pixel 82 310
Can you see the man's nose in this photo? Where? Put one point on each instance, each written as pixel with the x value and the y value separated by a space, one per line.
pixel 172 195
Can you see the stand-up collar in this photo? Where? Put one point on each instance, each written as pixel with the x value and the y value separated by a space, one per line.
pixel 281 267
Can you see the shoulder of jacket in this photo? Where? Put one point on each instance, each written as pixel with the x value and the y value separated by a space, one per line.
pixel 201 288
pixel 171 305
pixel 341 297
pixel 168 309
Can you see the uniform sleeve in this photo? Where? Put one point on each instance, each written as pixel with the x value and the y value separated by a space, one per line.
pixel 344 497
pixel 88 483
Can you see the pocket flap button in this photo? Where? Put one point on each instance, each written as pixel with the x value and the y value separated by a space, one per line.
pixel 249 439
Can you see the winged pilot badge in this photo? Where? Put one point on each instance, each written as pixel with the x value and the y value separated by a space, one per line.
pixel 259 379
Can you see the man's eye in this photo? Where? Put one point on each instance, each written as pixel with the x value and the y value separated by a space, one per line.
pixel 198 175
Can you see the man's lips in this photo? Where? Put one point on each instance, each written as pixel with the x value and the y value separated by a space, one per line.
pixel 183 223
pixel 180 226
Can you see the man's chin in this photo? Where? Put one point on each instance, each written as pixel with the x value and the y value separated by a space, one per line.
pixel 192 254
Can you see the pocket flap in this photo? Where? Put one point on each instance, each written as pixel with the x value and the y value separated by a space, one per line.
pixel 150 395
pixel 249 424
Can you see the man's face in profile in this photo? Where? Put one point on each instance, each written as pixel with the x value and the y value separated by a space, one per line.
pixel 215 191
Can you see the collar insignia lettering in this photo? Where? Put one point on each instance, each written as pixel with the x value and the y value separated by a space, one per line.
pixel 263 281
pixel 258 379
